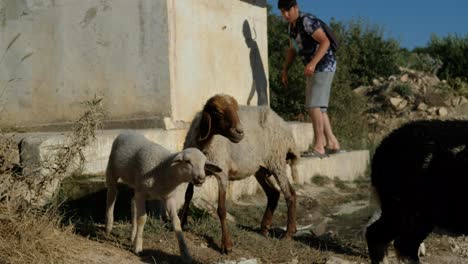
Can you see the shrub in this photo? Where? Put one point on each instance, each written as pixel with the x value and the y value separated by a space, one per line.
pixel 421 62
pixel 452 52
pixel 403 89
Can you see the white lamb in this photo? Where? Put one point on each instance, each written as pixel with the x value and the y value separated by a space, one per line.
pixel 154 173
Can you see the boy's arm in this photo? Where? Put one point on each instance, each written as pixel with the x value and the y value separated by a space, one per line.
pixel 290 55
pixel 324 43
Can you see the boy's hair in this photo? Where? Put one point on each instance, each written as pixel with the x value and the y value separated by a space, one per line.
pixel 286 4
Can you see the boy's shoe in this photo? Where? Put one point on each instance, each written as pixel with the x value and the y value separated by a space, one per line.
pixel 313 154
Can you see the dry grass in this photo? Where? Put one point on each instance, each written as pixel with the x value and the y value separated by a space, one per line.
pixel 32 234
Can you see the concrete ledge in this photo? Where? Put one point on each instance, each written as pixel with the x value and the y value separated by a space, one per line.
pixel 35 147
pixel 303 134
pixel 345 166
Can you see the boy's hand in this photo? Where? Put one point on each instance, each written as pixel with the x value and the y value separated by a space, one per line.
pixel 309 69
pixel 284 77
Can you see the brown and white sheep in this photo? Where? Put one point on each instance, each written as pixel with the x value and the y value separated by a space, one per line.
pixel 154 173
pixel 245 141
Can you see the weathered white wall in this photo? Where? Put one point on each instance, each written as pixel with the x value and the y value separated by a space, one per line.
pixel 146 58
pixel 116 49
pixel 209 51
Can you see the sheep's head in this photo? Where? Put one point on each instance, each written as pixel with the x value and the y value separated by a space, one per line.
pixel 191 164
pixel 220 116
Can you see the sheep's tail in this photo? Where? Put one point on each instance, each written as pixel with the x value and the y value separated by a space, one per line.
pixel 293 159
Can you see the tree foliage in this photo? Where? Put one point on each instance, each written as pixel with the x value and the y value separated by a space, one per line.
pixel 453 52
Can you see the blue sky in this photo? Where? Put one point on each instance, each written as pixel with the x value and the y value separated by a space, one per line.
pixel 410 21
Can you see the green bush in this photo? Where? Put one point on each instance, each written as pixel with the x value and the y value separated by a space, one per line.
pixel 403 89
pixel 453 52
pixel 420 61
pixel 365 54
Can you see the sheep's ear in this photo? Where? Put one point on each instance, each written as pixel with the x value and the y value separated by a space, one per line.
pixel 205 126
pixel 178 158
pixel 211 168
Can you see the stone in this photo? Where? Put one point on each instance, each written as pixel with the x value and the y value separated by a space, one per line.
pixel 442 111
pixel 404 78
pixel 337 260
pixel 422 107
pixel 398 103
pixel 361 90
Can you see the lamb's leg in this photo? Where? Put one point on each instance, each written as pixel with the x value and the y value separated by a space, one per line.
pixel 226 242
pixel 185 208
pixel 379 235
pixel 172 209
pixel 140 213
pixel 134 219
pixel 290 197
pixel 110 202
pixel 272 194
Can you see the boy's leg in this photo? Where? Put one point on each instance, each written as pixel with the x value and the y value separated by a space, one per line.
pixel 318 123
pixel 331 141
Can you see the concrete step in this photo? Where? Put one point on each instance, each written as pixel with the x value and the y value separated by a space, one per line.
pixel 345 166
pixel 36 147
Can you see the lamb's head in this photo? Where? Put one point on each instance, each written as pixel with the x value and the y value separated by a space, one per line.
pixel 220 116
pixel 192 166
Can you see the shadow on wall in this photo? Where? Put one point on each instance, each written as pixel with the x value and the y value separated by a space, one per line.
pixel 259 83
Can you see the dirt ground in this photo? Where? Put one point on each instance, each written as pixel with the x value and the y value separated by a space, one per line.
pixel 331 217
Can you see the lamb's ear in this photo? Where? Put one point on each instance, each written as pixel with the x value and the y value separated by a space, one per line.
pixel 178 158
pixel 205 126
pixel 211 168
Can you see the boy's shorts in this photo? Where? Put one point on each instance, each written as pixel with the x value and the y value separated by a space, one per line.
pixel 318 88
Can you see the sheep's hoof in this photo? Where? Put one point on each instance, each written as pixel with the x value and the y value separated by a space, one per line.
pixel 287 236
pixel 226 249
pixel 265 232
pixel 138 249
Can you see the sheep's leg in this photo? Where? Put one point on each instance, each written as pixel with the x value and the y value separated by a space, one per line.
pixel 272 194
pixel 290 197
pixel 184 251
pixel 185 208
pixel 110 201
pixel 226 242
pixel 140 213
pixel 408 244
pixel 134 219
pixel 379 235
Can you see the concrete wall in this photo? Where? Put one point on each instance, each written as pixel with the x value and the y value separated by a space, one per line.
pixel 146 58
pixel 217 47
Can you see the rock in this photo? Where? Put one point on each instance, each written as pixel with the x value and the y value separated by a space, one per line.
pixel 398 103
pixel 395 101
pixel 422 107
pixel 404 78
pixel 361 90
pixel 392 78
pixel 241 261
pixel 375 82
pixel 442 111
pixel 337 260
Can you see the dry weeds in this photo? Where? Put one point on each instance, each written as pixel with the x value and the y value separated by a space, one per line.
pixel 28 233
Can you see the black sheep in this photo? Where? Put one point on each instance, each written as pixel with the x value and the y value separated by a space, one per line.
pixel 420 175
